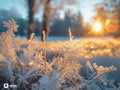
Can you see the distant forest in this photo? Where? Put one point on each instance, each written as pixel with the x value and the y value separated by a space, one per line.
pixel 59 27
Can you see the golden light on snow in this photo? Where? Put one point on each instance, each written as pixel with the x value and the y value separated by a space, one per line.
pixel 93 52
pixel 31 63
pixel 97 26
pixel 92 47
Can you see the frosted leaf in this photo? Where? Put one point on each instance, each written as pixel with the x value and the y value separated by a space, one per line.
pixel 2 57
pixel 95 66
pixel 11 25
pixel 88 64
pixel 48 82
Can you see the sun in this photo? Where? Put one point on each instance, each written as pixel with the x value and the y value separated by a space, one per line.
pixel 97 26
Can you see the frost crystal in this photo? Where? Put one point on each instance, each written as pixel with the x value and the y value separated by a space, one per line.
pixel 11 25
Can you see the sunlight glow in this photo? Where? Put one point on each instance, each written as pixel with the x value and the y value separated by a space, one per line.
pixel 97 27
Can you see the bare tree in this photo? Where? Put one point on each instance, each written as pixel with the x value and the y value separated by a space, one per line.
pixel 49 10
pixel 45 23
pixel 31 27
pixel 117 18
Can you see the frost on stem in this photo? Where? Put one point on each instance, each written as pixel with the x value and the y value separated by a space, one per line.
pixel 11 25
pixel 70 35
pixel 7 40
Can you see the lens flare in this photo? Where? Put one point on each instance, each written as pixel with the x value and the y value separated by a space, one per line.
pixel 97 27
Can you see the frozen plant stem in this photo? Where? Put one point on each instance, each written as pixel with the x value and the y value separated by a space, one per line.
pixel 70 35
pixel 44 47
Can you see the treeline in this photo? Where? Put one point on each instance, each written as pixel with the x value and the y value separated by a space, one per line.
pixel 59 27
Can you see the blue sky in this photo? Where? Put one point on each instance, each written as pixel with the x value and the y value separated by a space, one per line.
pixel 86 8
pixel 19 5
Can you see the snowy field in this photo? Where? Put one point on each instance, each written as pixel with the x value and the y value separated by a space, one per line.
pixel 103 51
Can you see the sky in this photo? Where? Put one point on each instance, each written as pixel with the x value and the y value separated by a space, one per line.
pixel 86 7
